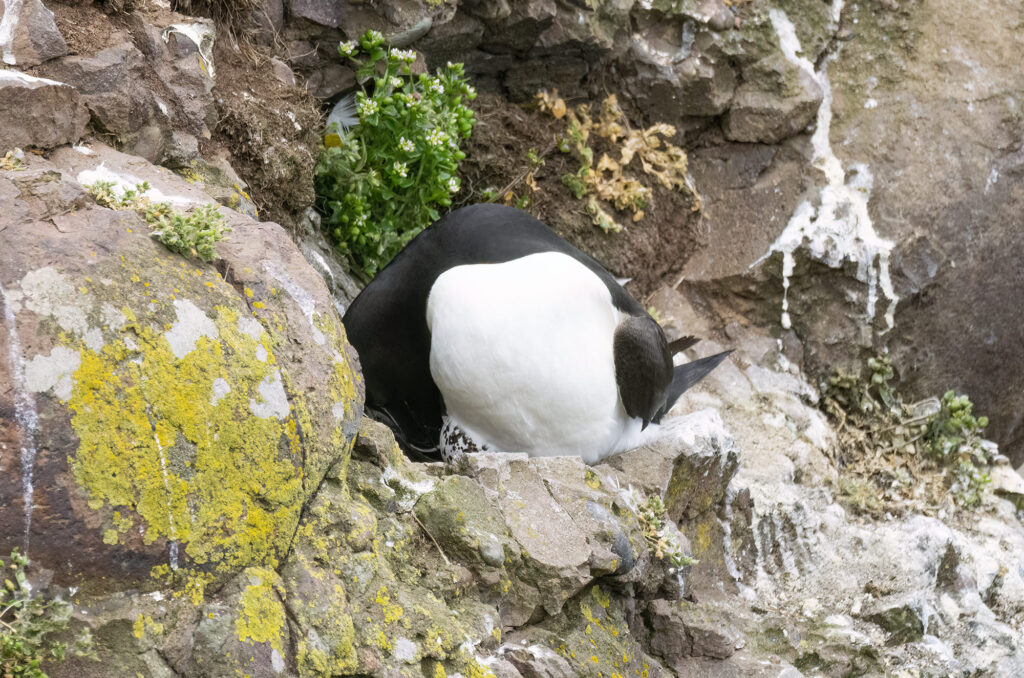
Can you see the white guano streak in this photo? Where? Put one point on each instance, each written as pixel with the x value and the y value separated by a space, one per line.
pixel 840 228
pixel 24 413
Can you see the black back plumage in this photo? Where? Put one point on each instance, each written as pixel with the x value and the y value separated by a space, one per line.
pixel 387 323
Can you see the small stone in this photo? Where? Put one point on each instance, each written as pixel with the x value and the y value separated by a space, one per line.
pixel 901 616
pixel 330 80
pixel 1007 483
pixel 282 72
pixel 812 607
pixel 537 661
pixel 722 20
pixel 492 552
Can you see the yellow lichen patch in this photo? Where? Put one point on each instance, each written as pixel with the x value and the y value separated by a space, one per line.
pixel 703 537
pixel 471 668
pixel 143 623
pixel 261 615
pixel 173 451
pixel 392 611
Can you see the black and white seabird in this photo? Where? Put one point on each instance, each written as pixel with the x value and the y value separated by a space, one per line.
pixel 490 329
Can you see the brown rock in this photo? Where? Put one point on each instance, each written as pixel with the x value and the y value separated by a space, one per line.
pixel 112 84
pixel 38 112
pixel 28 34
pixel 769 117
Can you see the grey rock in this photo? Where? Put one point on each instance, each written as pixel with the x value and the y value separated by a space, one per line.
pixel 329 80
pixel 538 661
pixel 489 10
pixel 324 258
pixel 324 12
pixel 268 20
pixel 187 70
pixel 404 38
pixel 902 616
pixel 689 463
pixel 113 86
pixel 758 116
pixel 458 515
pixel 555 553
pixel 38 112
pixel 683 629
pixel 217 647
pixel 282 72
pixel 502 668
pixel 452 41
pixel 1007 483
pixel 29 34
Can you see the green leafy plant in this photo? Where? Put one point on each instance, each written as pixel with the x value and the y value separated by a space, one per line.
pixel 382 181
pixel 27 623
pixel 652 517
pixel 953 438
pixel 195 233
pixel 192 234
pixel 884 442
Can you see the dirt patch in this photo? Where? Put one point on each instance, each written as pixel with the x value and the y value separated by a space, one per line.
pixel 651 251
pixel 269 128
pixel 86 27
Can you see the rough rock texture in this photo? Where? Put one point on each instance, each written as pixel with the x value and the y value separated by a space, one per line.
pixel 38 112
pixel 924 122
pixel 808 581
pixel 168 428
pixel 28 34
pixel 149 92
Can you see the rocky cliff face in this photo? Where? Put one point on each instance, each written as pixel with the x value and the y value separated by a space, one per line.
pixel 182 448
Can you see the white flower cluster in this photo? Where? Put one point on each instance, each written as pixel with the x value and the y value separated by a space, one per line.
pixel 360 220
pixel 436 138
pixel 375 36
pixel 348 47
pixel 436 86
pixel 401 169
pixel 406 55
pixel 367 107
pixel 453 185
pixel 396 83
pixel 406 145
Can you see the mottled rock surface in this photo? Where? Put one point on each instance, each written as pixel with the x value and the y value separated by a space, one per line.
pixel 168 429
pixel 28 34
pixel 38 112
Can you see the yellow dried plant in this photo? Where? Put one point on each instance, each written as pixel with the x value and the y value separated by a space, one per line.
pixel 624 181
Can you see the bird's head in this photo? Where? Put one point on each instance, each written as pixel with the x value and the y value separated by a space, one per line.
pixel 643 366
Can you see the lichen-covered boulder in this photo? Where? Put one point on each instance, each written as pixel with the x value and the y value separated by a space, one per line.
pixel 164 420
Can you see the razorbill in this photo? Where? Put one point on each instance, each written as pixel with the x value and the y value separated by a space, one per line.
pixel 488 331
